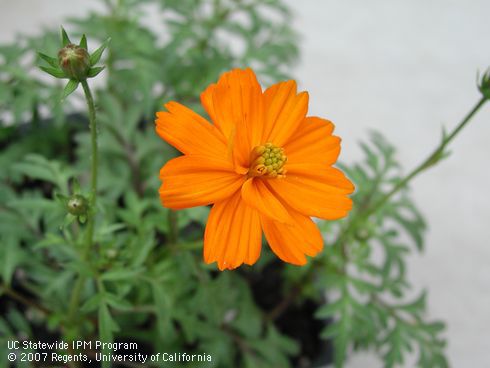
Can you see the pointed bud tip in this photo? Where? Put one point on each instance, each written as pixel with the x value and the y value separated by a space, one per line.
pixel 484 84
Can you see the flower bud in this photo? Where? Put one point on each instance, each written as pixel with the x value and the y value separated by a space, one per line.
pixel 484 85
pixel 77 205
pixel 74 61
pixel 111 253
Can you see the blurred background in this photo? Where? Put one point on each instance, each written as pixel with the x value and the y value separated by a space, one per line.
pixel 405 69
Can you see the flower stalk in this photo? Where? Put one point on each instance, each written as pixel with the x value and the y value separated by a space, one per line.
pixel 435 157
pixel 93 138
pixel 76 64
pixel 88 244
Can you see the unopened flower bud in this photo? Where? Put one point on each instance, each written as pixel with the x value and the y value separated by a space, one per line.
pixel 74 61
pixel 111 253
pixel 77 205
pixel 484 84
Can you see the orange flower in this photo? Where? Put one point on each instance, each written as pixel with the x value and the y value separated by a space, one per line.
pixel 264 165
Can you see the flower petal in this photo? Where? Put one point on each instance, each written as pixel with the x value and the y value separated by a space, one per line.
pixel 233 234
pixel 235 105
pixel 285 111
pixel 315 190
pixel 196 180
pixel 292 242
pixel 313 142
pixel 231 101
pixel 256 194
pixel 322 174
pixel 189 132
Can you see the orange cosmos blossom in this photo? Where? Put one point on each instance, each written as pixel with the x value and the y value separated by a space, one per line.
pixel 263 164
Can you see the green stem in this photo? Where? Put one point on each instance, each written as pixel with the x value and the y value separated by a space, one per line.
pixel 93 138
pixel 77 290
pixel 100 284
pixel 430 161
pixel 368 210
pixel 22 299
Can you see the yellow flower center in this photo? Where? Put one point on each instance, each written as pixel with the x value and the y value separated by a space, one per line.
pixel 268 161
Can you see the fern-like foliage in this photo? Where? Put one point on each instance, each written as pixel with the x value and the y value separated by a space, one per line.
pixel 365 275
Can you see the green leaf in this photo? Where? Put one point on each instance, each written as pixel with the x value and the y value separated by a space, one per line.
pixel 417 306
pixel 38 167
pixel 94 71
pixel 398 342
pixel 57 285
pixel 413 225
pixel 361 285
pixel 70 87
pixel 434 328
pixel 111 228
pixel 31 204
pixel 92 303
pixel 83 42
pixel 50 60
pixel 117 302
pixel 62 199
pixel 96 55
pixel 57 73
pixel 69 218
pixel 121 274
pixel 143 248
pixel 106 328
pixel 163 308
pixel 11 257
pixel 18 320
pixel 330 331
pixel 65 40
pixel 329 309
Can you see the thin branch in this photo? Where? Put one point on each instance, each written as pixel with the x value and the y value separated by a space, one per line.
pixel 23 299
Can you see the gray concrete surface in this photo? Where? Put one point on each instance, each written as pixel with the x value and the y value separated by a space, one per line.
pixel 404 68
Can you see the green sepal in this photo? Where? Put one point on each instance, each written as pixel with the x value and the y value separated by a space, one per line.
pixel 69 218
pixel 444 133
pixel 61 198
pixel 50 60
pixel 96 55
pixel 75 186
pixel 82 219
pixel 93 72
pixel 70 87
pixel 65 40
pixel 83 42
pixel 57 73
